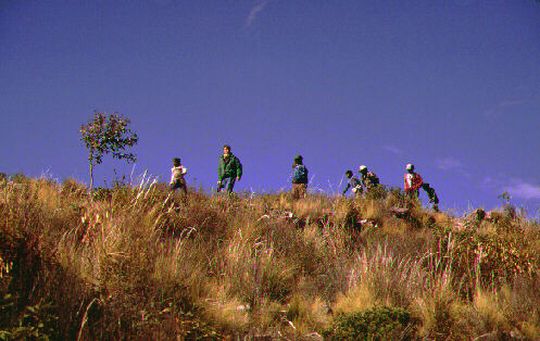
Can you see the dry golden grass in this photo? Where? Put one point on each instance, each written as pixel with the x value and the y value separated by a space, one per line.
pixel 140 262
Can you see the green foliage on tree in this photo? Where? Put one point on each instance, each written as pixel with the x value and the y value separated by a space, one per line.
pixel 505 197
pixel 107 134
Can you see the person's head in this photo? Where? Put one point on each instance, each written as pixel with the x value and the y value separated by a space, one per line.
pixel 349 174
pixel 226 149
pixel 362 169
pixel 298 159
pixel 409 167
pixel 176 161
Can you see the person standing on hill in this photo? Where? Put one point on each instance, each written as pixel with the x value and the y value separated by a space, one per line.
pixel 229 170
pixel 177 176
pixel 300 178
pixel 353 183
pixel 369 179
pixel 412 182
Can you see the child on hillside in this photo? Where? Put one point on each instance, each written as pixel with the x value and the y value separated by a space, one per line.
pixel 300 178
pixel 177 176
pixel 353 183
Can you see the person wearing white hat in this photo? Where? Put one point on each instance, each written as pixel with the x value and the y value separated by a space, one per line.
pixel 412 182
pixel 369 179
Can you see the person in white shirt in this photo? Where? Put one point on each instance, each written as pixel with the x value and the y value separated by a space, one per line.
pixel 412 182
pixel 177 176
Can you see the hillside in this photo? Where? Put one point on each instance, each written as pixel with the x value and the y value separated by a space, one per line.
pixel 136 262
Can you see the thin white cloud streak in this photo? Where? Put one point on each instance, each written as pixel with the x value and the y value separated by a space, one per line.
pixel 488 182
pixel 449 163
pixel 255 10
pixel 500 107
pixel 393 149
pixel 517 188
pixel 523 190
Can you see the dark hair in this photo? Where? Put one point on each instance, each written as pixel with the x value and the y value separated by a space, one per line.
pixel 349 173
pixel 176 161
pixel 297 161
pixel 227 146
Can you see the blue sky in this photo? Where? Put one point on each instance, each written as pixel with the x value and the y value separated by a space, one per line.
pixel 452 86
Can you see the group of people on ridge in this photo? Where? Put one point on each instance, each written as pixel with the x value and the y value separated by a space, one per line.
pixel 368 180
pixel 412 182
pixel 230 171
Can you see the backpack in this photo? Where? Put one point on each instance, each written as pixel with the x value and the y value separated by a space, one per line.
pixel 370 180
pixel 373 178
pixel 300 175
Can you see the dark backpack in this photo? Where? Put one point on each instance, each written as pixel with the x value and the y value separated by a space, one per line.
pixel 371 180
pixel 300 175
pixel 432 195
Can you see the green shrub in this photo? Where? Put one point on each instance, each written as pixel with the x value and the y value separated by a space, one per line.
pixel 35 322
pixel 377 193
pixel 19 178
pixel 102 194
pixel 379 323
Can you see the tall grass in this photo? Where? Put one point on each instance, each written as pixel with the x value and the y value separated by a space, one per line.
pixel 141 262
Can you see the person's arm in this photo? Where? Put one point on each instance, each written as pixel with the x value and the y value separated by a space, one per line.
pixel 238 169
pixel 220 170
pixel 418 181
pixel 172 176
pixel 347 188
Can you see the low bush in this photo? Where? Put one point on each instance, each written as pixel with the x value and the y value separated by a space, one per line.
pixel 379 323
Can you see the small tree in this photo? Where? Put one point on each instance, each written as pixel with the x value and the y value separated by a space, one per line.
pixel 505 197
pixel 104 134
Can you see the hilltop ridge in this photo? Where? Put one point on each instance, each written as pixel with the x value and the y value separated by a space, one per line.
pixel 143 262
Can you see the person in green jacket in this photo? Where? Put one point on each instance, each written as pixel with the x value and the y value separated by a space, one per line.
pixel 229 170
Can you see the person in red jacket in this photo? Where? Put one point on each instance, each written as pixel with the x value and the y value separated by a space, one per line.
pixel 412 182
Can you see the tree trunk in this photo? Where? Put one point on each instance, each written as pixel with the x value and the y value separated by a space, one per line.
pixel 91 169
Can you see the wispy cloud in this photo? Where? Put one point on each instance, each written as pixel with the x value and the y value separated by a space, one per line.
pixel 516 187
pixel 452 164
pixel 500 107
pixel 255 10
pixel 522 189
pixel 393 149
pixel 449 163
pixel 488 182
